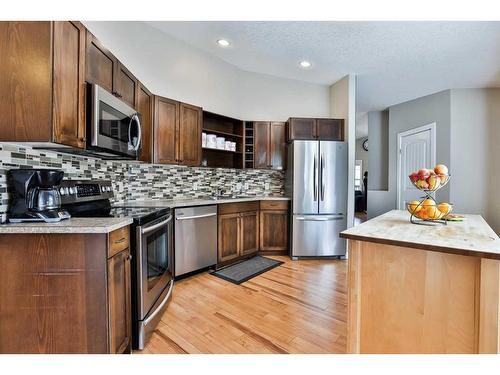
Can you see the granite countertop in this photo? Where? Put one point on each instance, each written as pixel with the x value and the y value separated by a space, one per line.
pixel 174 203
pixel 73 225
pixel 473 236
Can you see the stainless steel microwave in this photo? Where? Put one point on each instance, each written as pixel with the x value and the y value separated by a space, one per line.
pixel 114 126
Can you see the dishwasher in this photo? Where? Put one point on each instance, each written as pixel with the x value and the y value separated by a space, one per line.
pixel 195 231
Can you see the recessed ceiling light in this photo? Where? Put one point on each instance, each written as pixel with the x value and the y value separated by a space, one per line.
pixel 223 43
pixel 305 64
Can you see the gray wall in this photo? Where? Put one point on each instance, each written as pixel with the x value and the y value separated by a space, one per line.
pixel 362 155
pixel 475 155
pixel 378 147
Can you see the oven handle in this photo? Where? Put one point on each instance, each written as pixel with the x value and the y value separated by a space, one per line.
pixel 160 306
pixel 195 217
pixel 156 226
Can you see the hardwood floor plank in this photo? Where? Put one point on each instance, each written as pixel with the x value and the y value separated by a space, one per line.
pixel 298 307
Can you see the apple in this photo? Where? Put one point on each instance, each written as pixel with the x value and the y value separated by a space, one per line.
pixel 434 182
pixel 423 174
pixel 414 177
pixel 422 184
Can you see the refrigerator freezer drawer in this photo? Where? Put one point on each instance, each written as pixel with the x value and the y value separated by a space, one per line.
pixel 318 235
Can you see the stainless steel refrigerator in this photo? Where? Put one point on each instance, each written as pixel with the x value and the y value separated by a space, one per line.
pixel 317 182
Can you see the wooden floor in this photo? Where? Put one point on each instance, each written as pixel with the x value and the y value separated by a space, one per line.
pixel 298 307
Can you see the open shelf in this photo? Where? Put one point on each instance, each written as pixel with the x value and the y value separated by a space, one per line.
pixel 218 132
pixel 248 144
pixel 220 150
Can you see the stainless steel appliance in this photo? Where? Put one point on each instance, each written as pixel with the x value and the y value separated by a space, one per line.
pixel 113 125
pixel 35 195
pixel 317 183
pixel 151 249
pixel 195 238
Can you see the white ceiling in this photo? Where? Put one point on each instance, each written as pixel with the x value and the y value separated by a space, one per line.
pixel 394 61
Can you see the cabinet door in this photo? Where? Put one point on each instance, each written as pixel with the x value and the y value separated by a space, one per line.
pixel 69 83
pixel 229 237
pixel 145 107
pixel 261 148
pixel 25 81
pixel 330 129
pixel 277 145
pixel 301 128
pixel 165 126
pixel 273 230
pixel 100 64
pixel 249 232
pixel 126 86
pixel 119 302
pixel 189 138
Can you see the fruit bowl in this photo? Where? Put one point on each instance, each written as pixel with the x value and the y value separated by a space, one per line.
pixel 428 210
pixel 430 182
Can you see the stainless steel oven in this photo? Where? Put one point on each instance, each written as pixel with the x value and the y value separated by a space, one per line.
pixel 154 262
pixel 114 126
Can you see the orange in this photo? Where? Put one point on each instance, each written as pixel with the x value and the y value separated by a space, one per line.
pixel 432 212
pixel 428 202
pixel 415 206
pixel 445 208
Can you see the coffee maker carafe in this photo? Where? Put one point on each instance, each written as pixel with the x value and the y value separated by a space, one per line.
pixel 35 195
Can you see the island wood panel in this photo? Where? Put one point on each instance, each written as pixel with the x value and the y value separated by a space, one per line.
pixel 52 295
pixel 26 87
pixel 415 301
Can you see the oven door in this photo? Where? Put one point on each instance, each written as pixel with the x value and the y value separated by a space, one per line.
pixel 115 126
pixel 154 262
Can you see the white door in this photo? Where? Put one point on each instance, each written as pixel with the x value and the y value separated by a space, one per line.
pixel 417 149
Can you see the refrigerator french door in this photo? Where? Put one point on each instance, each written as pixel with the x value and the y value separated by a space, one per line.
pixel 318 180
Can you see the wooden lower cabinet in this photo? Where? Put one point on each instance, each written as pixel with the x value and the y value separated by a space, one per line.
pixel 120 328
pixel 274 226
pixel 228 237
pixel 63 293
pixel 249 229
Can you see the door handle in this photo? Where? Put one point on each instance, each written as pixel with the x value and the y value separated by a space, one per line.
pixel 312 218
pixel 315 188
pixel 194 217
pixel 139 135
pixel 160 306
pixel 322 167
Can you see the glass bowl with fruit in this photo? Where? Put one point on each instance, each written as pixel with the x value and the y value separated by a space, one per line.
pixel 430 180
pixel 428 209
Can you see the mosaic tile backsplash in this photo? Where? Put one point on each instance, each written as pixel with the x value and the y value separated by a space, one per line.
pixel 138 181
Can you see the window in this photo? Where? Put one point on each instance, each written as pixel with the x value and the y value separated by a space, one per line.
pixel 358 177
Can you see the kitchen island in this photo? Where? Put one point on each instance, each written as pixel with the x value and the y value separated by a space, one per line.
pixel 423 289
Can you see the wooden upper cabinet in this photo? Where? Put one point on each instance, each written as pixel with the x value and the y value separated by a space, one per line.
pixel 26 87
pixel 277 145
pixel 119 294
pixel 261 148
pixel 165 124
pixel 301 129
pixel 312 129
pixel 145 104
pixel 330 129
pixel 126 86
pixel 249 227
pixel 69 83
pixel 101 64
pixel 229 237
pixel 189 137
pixel 269 145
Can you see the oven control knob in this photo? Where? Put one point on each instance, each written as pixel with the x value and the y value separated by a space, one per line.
pixel 109 188
pixel 62 191
pixel 103 188
pixel 72 190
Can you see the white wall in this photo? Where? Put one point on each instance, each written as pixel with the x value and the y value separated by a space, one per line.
pixel 172 68
pixel 362 155
pixel 475 155
pixel 343 105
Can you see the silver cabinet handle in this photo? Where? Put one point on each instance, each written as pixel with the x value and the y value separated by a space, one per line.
pixel 156 226
pixel 194 217
pixel 315 188
pixel 322 167
pixel 160 306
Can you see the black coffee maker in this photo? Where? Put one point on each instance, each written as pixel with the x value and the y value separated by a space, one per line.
pixel 35 195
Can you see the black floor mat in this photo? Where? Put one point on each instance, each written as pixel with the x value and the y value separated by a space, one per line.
pixel 244 271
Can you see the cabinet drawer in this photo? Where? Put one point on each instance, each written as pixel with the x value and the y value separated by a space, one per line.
pixel 231 208
pixel 274 205
pixel 118 240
